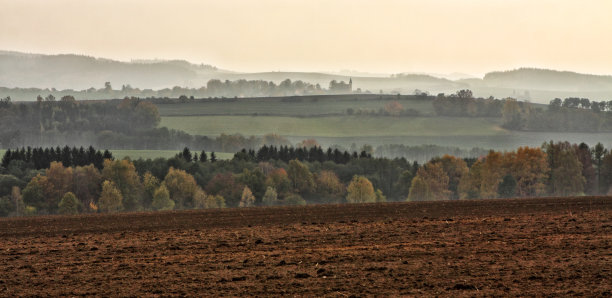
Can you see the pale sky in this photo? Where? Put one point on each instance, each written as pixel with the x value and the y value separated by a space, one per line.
pixel 389 36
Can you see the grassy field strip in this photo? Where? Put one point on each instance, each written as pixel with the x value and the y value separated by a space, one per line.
pixel 335 126
pixel 152 154
pixel 304 108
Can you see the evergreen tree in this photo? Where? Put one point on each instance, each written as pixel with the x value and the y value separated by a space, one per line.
pixel 186 154
pixel 507 188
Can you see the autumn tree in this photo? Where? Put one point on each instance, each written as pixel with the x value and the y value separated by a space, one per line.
pixel 201 200
pixel 161 199
pixel 17 199
pixel 436 181
pixel 514 113
pixel 247 199
pixel 530 169
pixel 69 204
pixel 87 181
pixel 58 181
pixel 492 173
pixel 605 183
pixel 225 185
pixel 380 197
pixel 394 108
pixel 279 180
pixel 419 190
pixel 215 201
pixel 469 185
pixel 255 180
pixel 270 198
pixel 33 194
pixel 329 187
pixel 300 176
pixel 565 169
pixel 598 153
pixel 583 153
pixel 111 199
pixel 404 182
pixel 455 168
pixel 360 190
pixel 123 174
pixel 150 185
pixel 293 200
pixel 182 187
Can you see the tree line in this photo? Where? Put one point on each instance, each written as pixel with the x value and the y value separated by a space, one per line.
pixel 555 169
pixel 194 180
pixel 570 114
pixel 41 158
pixel 213 88
pixel 197 180
pixel 463 104
pixel 130 123
pixel 287 153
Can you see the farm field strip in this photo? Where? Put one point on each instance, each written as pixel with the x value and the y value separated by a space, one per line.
pixel 272 106
pixel 549 246
pixel 335 126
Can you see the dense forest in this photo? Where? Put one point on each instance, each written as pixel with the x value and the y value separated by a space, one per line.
pixel 288 176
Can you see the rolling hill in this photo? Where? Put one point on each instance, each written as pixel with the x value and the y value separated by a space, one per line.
pixel 78 72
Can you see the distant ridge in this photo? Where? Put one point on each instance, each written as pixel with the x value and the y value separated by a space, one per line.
pixel 81 72
pixel 546 79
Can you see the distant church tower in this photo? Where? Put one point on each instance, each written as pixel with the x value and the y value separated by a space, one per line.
pixel 350 86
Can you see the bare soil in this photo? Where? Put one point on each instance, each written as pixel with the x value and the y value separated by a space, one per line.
pixel 542 247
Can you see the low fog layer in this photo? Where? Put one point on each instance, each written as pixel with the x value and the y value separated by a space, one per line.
pixel 77 72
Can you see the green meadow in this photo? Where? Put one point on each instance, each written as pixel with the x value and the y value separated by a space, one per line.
pixel 335 126
pixel 293 106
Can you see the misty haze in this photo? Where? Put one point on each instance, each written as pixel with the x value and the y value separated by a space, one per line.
pixel 305 148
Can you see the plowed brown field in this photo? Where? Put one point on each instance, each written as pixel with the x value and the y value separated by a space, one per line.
pixel 546 246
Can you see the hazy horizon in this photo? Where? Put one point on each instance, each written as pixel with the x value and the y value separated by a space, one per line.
pixel 471 37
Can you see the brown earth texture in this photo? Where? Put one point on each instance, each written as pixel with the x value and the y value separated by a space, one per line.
pixel 518 247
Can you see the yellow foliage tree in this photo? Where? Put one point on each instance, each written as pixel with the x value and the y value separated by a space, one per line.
pixel 419 190
pixel 360 190
pixel 161 199
pixel 432 175
pixel 124 176
pixel 58 181
pixel 329 186
pixel 469 185
pixel 182 187
pixel 111 199
pixel 247 199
